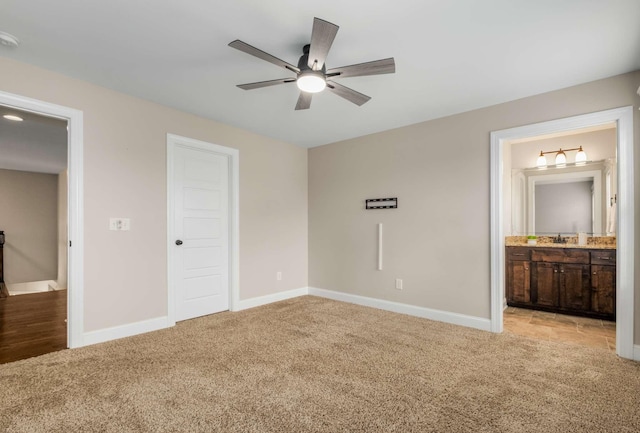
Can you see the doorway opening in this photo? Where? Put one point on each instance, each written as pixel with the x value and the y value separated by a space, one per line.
pixel 569 209
pixel 501 221
pixel 42 163
pixel 33 218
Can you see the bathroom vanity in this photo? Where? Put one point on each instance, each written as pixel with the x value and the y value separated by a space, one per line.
pixel 569 280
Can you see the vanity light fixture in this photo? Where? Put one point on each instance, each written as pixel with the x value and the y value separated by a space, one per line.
pixel 561 157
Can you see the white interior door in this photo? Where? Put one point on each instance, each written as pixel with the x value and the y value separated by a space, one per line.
pixel 201 231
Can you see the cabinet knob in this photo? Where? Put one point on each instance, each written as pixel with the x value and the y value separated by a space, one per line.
pixel 555 270
pixel 594 272
pixel 178 242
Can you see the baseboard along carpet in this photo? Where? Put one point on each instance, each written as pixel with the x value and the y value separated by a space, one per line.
pixel 314 365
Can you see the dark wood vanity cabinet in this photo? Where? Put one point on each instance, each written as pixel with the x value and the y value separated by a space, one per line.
pixel 603 282
pixel 565 280
pixel 519 275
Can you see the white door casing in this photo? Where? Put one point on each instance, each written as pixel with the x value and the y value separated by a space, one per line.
pixel 202 236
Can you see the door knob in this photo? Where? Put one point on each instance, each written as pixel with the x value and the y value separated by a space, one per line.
pixel 178 242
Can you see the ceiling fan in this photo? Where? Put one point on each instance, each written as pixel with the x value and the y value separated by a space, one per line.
pixel 312 75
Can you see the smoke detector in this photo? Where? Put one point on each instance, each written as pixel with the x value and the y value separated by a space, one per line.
pixel 8 40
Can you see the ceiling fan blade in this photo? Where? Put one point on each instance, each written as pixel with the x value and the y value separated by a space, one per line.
pixel 249 49
pixel 347 93
pixel 259 84
pixel 322 37
pixel 304 101
pixel 377 67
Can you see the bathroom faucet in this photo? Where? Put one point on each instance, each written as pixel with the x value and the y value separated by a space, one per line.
pixel 559 239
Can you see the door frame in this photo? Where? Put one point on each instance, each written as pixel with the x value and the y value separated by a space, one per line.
pixel 232 155
pixel 625 290
pixel 75 206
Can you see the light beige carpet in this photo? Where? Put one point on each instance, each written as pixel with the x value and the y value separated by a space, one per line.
pixel 314 365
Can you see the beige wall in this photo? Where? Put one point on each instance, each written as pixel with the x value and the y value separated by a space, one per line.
pixel 29 218
pixel 125 176
pixel 438 240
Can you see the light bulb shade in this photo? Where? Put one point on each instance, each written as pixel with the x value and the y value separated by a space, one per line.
pixel 581 156
pixel 542 161
pixel 311 82
pixel 561 158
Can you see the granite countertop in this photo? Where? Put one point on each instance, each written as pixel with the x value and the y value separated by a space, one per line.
pixel 593 242
pixel 565 245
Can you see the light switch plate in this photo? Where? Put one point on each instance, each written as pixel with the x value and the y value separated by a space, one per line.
pixel 119 224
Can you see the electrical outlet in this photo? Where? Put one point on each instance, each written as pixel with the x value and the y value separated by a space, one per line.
pixel 398 284
pixel 279 276
pixel 119 224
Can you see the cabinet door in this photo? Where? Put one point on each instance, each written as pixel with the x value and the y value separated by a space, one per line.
pixel 519 281
pixel 603 289
pixel 544 282
pixel 575 293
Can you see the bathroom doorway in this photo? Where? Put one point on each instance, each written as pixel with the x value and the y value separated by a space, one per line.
pixel 624 233
pixel 553 203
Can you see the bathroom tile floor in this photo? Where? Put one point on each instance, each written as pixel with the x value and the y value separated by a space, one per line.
pixel 560 327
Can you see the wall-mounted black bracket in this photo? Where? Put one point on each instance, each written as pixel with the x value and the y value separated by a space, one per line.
pixel 382 203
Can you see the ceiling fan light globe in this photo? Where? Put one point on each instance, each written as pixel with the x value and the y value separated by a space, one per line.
pixel 311 82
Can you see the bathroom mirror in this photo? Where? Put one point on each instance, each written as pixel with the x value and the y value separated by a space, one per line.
pixel 564 200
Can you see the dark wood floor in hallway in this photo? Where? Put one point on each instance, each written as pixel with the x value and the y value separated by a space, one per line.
pixel 32 325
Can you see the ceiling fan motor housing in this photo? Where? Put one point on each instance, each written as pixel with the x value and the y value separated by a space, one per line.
pixel 303 63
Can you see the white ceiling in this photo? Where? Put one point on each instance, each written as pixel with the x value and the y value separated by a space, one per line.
pixel 37 144
pixel 451 56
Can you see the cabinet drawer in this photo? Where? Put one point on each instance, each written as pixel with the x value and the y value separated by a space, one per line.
pixel 603 257
pixel 517 253
pixel 560 255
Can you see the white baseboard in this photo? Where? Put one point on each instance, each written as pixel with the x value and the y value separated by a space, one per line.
pixel 128 330
pixel 636 352
pixel 268 299
pixel 116 332
pixel 396 307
